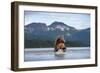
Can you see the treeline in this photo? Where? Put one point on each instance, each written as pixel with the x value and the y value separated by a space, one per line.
pixel 75 44
pixel 37 43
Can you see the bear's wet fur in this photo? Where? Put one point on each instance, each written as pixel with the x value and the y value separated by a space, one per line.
pixel 59 44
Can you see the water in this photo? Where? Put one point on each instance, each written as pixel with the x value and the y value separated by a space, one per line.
pixel 45 54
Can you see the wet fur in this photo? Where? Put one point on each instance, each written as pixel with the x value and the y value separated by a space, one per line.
pixel 60 45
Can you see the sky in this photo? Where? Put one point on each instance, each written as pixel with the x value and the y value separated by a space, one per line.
pixel 76 20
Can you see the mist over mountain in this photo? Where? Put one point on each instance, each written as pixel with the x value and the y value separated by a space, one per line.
pixel 41 35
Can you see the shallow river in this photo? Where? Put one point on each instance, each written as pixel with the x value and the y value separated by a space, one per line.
pixel 43 54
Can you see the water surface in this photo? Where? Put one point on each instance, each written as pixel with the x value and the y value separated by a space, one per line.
pixel 44 54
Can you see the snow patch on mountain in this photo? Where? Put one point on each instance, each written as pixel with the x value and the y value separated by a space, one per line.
pixel 59 27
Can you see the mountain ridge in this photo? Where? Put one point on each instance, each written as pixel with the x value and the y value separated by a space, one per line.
pixel 40 32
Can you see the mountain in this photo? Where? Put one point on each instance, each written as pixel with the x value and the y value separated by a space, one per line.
pixel 36 27
pixel 61 26
pixel 54 26
pixel 44 36
pixel 82 36
pixel 55 29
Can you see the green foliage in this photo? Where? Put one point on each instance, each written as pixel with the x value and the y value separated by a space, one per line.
pixel 38 43
pixel 75 44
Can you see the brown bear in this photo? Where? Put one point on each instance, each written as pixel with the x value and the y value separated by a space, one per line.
pixel 59 44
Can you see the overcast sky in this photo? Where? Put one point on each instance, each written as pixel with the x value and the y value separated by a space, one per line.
pixel 77 20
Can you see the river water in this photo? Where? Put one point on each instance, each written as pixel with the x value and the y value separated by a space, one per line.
pixel 45 54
